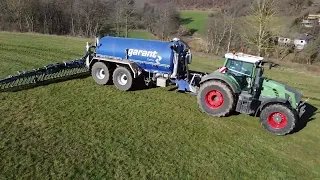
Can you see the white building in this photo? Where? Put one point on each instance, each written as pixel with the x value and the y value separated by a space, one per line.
pixel 302 41
pixel 311 21
pixel 284 41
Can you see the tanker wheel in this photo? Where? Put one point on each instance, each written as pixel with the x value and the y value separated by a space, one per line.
pixel 100 73
pixel 216 98
pixel 122 79
pixel 278 119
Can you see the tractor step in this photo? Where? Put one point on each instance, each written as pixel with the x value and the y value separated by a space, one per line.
pixel 245 103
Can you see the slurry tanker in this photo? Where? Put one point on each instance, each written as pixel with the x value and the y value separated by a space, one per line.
pixel 126 61
pixel 239 86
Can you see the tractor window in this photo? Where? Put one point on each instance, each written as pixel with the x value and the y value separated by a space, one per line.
pixel 239 68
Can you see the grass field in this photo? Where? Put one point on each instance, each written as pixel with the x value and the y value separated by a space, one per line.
pixel 195 20
pixel 79 130
pixel 140 34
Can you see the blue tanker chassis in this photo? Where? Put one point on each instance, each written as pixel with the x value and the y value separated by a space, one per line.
pixel 127 62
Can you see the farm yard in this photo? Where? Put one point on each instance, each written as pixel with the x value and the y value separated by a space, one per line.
pixel 79 130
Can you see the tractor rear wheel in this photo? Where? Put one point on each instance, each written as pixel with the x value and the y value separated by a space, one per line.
pixel 216 98
pixel 278 119
pixel 122 79
pixel 100 73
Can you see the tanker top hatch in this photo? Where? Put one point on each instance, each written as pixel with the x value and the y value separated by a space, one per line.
pixel 244 57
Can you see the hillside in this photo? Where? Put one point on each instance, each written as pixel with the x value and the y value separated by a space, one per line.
pixel 79 130
pixel 195 20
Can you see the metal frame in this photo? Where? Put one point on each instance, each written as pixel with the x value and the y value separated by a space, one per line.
pixel 46 73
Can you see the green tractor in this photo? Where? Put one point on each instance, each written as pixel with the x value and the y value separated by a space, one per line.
pixel 239 86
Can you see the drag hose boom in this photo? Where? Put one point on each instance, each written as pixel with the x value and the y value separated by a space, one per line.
pixel 47 73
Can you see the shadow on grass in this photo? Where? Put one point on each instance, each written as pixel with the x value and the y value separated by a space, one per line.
pixel 307 117
pixel 192 31
pixel 185 21
pixel 46 83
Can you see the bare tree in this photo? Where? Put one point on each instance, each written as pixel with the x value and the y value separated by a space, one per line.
pixel 128 13
pixel 220 32
pixel 122 15
pixel 232 22
pixel 260 24
pixel 297 5
pixel 213 31
pixel 14 9
pixel 148 16
pixel 166 20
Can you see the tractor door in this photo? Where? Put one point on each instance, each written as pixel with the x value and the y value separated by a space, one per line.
pixel 242 71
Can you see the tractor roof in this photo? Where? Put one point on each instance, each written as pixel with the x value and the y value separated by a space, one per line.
pixel 244 57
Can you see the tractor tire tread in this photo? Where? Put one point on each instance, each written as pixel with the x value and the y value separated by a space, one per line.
pixel 231 96
pixel 292 118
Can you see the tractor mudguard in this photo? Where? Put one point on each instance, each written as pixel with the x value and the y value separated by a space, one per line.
pixel 216 76
pixel 270 100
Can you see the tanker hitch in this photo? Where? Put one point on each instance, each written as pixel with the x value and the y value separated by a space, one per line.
pixel 189 86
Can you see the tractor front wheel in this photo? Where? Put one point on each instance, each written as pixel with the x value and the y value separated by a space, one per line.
pixel 278 119
pixel 216 98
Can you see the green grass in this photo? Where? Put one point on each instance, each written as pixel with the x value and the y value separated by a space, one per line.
pixel 79 130
pixel 195 20
pixel 140 34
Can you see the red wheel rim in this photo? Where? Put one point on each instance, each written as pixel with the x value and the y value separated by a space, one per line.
pixel 277 120
pixel 214 99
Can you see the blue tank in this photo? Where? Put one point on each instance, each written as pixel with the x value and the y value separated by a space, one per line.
pixel 150 55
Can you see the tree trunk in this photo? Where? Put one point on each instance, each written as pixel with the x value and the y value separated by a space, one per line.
pixel 230 34
pixel 259 39
pixel 126 26
pixel 72 26
pixel 221 37
pixel 27 22
pixel 20 24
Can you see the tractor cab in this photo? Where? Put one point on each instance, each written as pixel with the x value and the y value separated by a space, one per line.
pixel 244 68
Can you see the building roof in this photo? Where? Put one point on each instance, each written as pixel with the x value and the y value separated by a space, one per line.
pixel 306 37
pixel 314 16
pixel 244 57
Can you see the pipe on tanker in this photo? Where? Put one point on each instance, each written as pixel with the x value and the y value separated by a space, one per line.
pixel 97 41
pixel 187 67
pixel 175 62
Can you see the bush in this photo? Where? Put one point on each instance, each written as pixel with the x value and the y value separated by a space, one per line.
pixel 183 31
